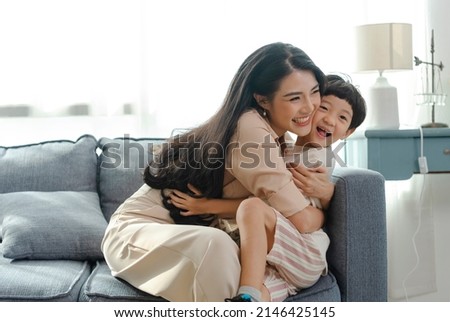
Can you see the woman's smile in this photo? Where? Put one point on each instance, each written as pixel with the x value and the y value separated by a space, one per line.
pixel 302 121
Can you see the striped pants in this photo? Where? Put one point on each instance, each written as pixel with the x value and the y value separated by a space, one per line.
pixel 295 261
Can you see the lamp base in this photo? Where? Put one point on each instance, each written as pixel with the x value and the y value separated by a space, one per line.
pixel 434 125
pixel 383 105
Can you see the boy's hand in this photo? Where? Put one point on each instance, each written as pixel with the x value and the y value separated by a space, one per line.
pixel 192 205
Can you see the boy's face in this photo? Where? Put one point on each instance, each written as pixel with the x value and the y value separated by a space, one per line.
pixel 330 122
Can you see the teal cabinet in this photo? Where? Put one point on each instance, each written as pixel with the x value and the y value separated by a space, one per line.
pixel 395 153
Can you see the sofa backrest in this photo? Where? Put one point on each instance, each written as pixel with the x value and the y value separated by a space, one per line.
pixel 121 165
pixel 113 168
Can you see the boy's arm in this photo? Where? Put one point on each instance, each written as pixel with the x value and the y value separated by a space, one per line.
pixel 308 220
pixel 224 208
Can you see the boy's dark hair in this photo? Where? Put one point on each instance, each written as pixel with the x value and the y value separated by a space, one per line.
pixel 344 89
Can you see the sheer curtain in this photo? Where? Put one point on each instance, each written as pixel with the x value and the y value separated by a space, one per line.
pixel 168 63
pixel 195 47
pixel 60 53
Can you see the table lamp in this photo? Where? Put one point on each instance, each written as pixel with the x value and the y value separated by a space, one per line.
pixel 383 47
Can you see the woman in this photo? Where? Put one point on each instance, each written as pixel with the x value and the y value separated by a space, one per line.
pixel 235 154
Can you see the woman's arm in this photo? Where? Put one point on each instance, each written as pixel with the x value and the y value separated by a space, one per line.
pixel 313 182
pixel 225 208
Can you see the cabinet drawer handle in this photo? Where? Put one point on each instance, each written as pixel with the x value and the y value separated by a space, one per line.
pixel 447 151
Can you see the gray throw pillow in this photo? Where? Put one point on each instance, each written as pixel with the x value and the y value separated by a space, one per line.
pixel 52 225
pixel 61 165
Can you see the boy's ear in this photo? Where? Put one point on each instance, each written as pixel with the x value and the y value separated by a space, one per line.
pixel 261 100
pixel 348 133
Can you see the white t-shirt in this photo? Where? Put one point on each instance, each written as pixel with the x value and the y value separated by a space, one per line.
pixel 311 157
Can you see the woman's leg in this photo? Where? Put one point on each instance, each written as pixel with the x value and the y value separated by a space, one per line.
pixel 177 262
pixel 256 222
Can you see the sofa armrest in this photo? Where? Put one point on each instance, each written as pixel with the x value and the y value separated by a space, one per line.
pixel 356 224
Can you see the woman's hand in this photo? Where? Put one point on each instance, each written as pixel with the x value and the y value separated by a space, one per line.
pixel 191 205
pixel 313 182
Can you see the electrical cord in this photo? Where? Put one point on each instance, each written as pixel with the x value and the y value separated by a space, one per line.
pixel 416 252
pixel 423 169
pixel 421 141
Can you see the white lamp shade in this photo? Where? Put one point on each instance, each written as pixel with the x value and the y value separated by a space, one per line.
pixel 386 46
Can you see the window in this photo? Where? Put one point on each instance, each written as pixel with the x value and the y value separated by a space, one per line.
pixel 168 63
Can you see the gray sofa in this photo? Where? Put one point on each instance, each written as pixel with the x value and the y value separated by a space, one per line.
pixel 56 198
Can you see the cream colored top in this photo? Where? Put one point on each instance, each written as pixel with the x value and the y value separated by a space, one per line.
pixel 255 166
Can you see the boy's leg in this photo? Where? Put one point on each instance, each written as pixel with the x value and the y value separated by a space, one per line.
pixel 276 287
pixel 256 222
pixel 300 259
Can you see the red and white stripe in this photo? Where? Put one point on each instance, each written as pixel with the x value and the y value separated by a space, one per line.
pixel 296 260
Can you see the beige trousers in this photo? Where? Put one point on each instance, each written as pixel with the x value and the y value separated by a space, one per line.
pixel 177 262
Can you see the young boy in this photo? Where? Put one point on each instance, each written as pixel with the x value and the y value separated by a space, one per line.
pixel 341 111
pixel 344 105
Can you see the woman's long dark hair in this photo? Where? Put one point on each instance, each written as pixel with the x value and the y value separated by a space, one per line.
pixel 198 156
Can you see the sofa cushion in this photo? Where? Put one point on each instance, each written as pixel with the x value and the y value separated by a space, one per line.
pixel 120 169
pixel 50 166
pixel 41 280
pixel 52 225
pixel 101 286
pixel 325 290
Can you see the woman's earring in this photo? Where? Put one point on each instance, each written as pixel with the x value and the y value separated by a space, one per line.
pixel 264 113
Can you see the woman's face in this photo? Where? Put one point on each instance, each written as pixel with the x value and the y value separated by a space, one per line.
pixel 293 105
